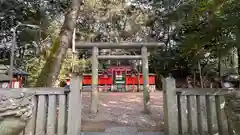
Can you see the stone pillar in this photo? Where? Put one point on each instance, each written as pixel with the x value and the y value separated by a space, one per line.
pixel 75 105
pixel 170 107
pixel 232 103
pixel 232 112
pixel 146 97
pixel 94 95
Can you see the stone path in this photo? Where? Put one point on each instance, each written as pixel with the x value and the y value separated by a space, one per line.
pixel 122 131
pixel 139 133
pixel 123 109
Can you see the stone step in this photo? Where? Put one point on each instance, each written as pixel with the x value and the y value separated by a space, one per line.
pixel 122 133
pixel 122 130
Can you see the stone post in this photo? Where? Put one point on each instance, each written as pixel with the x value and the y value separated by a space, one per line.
pixel 232 111
pixel 146 97
pixel 170 106
pixel 94 95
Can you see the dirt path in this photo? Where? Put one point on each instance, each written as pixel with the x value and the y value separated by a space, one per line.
pixel 123 109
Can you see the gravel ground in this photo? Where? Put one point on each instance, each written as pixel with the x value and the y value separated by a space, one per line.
pixel 123 109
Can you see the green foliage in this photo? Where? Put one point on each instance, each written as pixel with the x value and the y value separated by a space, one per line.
pixel 36 12
pixel 45 70
pixel 34 67
pixel 206 31
pixel 68 65
pixel 194 31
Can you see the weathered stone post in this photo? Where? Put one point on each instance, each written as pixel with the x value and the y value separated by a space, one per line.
pixel 75 105
pixel 232 111
pixel 170 106
pixel 232 106
pixel 16 109
pixel 94 95
pixel 146 97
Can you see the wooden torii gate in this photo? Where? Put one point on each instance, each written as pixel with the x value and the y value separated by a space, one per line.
pixel 124 45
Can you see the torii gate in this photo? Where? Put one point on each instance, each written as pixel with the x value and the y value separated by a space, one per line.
pixel 124 45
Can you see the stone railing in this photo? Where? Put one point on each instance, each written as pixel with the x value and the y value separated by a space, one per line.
pixel 203 111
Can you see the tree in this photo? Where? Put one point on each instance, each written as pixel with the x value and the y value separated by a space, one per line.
pixel 30 43
pixel 50 72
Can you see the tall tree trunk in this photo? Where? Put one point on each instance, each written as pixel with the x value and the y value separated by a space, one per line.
pixel 50 72
pixel 200 74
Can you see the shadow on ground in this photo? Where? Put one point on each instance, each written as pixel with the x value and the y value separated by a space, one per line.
pixel 123 109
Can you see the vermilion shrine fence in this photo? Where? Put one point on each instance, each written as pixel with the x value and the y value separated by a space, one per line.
pixel 106 83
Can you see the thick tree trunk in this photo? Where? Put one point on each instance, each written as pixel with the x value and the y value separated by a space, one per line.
pixel 50 72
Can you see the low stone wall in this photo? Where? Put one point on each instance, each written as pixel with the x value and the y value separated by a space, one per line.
pixel 203 112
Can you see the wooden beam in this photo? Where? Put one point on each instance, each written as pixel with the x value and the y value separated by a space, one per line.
pixel 120 57
pixel 123 45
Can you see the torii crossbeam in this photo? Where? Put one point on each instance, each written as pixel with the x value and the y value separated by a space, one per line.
pixel 95 46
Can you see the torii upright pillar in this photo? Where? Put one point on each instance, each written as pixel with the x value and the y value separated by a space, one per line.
pixel 146 97
pixel 124 45
pixel 94 93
